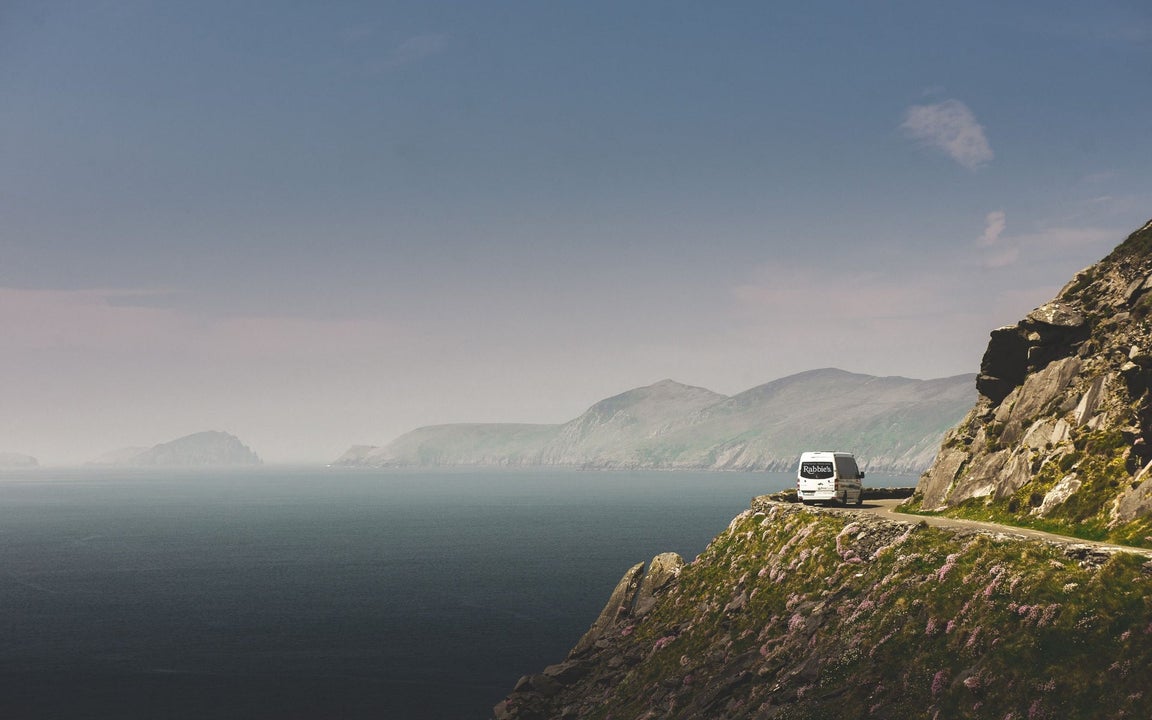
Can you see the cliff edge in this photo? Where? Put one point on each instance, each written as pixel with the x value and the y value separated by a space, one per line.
pixel 816 613
pixel 820 613
pixel 1060 437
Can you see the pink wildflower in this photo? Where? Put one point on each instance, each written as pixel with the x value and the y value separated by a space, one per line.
pixel 1036 711
pixel 972 638
pixel 796 622
pixel 939 681
pixel 949 563
pixel 991 588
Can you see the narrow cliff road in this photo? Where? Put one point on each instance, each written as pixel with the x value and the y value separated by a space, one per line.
pixel 887 509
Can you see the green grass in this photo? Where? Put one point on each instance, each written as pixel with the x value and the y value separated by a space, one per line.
pixel 1098 461
pixel 837 625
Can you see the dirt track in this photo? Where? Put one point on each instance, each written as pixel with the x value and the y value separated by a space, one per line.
pixel 887 509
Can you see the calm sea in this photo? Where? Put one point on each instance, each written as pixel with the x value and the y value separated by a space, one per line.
pixel 320 593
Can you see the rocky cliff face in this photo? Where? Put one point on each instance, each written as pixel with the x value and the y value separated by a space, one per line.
pixel 891 423
pixel 800 613
pixel 203 449
pixel 1061 433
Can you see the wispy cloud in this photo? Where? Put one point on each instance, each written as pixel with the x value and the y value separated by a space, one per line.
pixel 950 127
pixel 888 318
pixel 133 321
pixel 994 223
pixel 998 253
pixel 1001 250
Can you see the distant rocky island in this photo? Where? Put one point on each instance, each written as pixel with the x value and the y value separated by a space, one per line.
pixel 17 461
pixel 203 449
pixel 892 423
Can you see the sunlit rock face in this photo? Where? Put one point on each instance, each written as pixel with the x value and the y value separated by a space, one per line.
pixel 1062 426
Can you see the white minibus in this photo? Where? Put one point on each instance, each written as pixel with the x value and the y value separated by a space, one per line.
pixel 829 477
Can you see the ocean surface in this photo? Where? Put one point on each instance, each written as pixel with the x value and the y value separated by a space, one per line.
pixel 321 593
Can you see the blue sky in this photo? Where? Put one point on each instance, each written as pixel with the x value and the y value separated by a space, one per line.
pixel 314 225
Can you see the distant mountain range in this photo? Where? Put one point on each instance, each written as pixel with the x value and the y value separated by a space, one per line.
pixel 891 423
pixel 203 449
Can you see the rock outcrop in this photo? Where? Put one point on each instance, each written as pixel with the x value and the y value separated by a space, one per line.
pixel 891 423
pixel 204 449
pixel 1061 432
pixel 818 613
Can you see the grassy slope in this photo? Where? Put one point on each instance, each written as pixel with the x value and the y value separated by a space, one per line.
pixel 794 613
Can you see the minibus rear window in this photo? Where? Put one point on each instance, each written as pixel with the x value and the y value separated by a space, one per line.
pixel 816 470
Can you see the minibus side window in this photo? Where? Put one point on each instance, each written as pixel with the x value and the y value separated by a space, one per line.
pixel 846 468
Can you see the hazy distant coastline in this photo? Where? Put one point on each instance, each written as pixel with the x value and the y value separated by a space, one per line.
pixel 17 461
pixel 894 424
pixel 210 448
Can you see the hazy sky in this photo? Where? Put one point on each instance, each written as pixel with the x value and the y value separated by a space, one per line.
pixel 318 224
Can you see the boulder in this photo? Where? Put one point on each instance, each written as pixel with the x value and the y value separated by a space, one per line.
pixel 1056 314
pixel 1005 364
pixel 663 569
pixel 619 606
